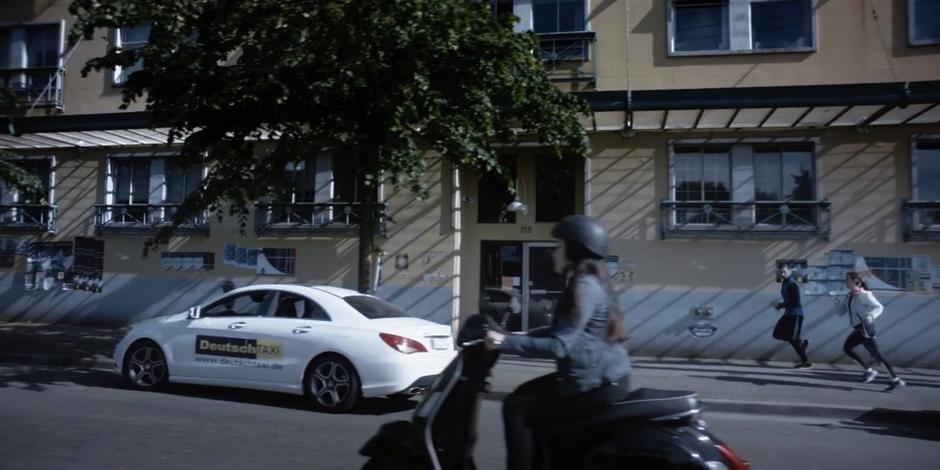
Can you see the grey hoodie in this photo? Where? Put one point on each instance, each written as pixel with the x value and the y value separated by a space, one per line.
pixel 585 359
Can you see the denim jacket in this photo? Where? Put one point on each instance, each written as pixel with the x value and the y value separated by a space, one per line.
pixel 584 357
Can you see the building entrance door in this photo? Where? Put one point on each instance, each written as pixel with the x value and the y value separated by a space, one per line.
pixel 519 287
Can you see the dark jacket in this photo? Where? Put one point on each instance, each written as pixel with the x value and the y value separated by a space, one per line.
pixel 790 291
pixel 584 357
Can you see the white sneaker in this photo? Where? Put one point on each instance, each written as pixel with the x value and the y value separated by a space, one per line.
pixel 870 375
pixel 895 383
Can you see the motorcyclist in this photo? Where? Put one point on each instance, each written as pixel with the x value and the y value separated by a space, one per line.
pixel 585 339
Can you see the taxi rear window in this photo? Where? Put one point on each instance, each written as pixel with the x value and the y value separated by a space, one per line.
pixel 373 308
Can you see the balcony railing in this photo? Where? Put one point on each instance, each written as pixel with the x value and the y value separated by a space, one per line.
pixel 28 217
pixel 752 219
pixel 315 217
pixel 565 55
pixel 131 218
pixel 921 220
pixel 39 85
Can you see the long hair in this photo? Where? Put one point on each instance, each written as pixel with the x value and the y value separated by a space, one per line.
pixel 856 277
pixel 581 262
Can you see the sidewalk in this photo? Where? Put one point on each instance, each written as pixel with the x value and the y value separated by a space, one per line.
pixel 830 390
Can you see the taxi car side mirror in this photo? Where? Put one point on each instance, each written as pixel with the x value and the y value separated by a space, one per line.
pixel 193 312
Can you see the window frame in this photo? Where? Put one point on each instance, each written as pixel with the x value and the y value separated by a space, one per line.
pixel 737 43
pixel 50 194
pixel 911 41
pixel 26 26
pixel 915 179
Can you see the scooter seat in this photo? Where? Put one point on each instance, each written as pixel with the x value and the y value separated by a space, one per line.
pixel 649 405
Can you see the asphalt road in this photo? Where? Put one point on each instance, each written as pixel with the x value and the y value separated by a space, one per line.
pixel 54 418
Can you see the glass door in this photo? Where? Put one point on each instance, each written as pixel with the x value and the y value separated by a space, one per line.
pixel 519 288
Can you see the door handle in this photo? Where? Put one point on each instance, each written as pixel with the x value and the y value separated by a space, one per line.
pixel 237 325
pixel 301 330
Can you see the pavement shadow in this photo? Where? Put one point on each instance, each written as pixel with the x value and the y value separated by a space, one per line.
pixel 774 382
pixel 367 406
pixel 40 378
pixel 70 343
pixel 921 425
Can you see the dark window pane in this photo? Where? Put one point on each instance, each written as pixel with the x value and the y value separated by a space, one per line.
pixel 688 173
pixel 767 175
pixel 555 187
pixel 701 26
pixel 500 7
pixel 928 172
pixel 545 16
pixel 571 15
pixel 925 24
pixel 122 181
pixel 493 195
pixel 716 175
pixel 42 46
pixel 181 180
pixel 781 24
pixel 798 175
pixel 5 47
pixel 140 193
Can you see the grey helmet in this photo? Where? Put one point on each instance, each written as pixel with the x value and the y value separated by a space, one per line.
pixel 584 230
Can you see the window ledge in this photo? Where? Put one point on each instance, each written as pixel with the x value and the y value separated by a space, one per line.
pixel 783 50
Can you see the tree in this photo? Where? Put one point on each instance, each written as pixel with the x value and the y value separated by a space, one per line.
pixel 387 81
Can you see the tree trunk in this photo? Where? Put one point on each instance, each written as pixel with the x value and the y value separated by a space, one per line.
pixel 368 195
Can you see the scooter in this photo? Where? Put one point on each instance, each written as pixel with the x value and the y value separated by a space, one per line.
pixel 650 429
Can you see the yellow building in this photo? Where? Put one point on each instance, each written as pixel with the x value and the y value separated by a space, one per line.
pixel 728 136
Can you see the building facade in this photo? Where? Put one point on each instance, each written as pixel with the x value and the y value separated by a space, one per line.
pixel 727 137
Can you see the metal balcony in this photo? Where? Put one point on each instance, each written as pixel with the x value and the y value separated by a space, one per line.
pixel 28 217
pixel 921 220
pixel 41 86
pixel 145 218
pixel 752 219
pixel 567 55
pixel 315 217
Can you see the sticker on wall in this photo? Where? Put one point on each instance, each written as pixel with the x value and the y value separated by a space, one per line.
pixel 702 329
pixel 49 265
pixel 187 261
pixel 88 270
pixel 276 261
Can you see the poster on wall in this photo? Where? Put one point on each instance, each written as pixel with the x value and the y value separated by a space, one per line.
pixel 49 265
pixel 187 261
pixel 88 268
pixel 915 273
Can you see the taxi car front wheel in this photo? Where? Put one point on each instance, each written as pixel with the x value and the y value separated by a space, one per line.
pixel 145 366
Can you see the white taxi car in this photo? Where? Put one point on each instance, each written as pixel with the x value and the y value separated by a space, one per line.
pixel 330 344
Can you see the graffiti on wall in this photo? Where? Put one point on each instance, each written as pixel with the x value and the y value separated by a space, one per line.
pixel 267 261
pixel 64 265
pixel 187 261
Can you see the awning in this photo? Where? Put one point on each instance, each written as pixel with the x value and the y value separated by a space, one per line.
pixel 782 107
pixel 772 108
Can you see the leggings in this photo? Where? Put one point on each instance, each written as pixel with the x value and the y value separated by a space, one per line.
pixel 856 338
pixel 537 402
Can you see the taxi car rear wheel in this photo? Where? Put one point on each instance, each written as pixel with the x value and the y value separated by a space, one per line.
pixel 332 384
pixel 145 366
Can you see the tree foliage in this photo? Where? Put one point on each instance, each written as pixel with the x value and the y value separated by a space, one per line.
pixel 385 80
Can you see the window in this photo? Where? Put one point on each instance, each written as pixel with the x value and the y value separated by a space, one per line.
pixel 700 26
pixel 295 306
pixel 894 271
pixel 554 16
pixel 720 26
pixel 277 261
pixel 927 171
pixel 555 187
pixel 129 38
pixel 326 178
pixel 500 7
pixel 702 174
pixel 131 180
pixel 30 55
pixel 244 304
pixel 374 308
pixel 783 173
pixel 923 21
pixel 493 195
pixel 25 208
